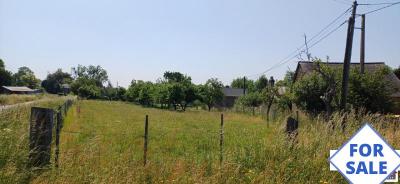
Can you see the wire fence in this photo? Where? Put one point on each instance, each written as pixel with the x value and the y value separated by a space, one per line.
pixel 44 131
pixel 46 126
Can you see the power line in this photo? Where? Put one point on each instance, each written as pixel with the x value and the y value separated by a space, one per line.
pixel 373 11
pixel 296 52
pixel 342 2
pixel 291 56
pixel 322 38
pixel 373 4
pixel 326 27
pixel 328 34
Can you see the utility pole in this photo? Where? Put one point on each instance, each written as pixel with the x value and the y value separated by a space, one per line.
pixel 362 46
pixel 347 57
pixel 307 51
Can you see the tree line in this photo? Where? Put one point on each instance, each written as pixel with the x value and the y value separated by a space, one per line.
pixel 174 90
pixel 316 93
pixel 23 77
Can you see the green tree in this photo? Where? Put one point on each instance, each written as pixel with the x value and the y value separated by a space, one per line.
pixel 94 73
pixel 182 91
pixel 268 96
pixel 211 92
pixel 239 83
pixel 161 94
pixel 141 92
pixel 332 80
pixel 320 91
pixel 370 91
pixel 121 93
pixel 53 81
pixel 5 76
pixel 89 81
pixel 288 79
pixel 2 65
pixel 176 94
pixel 251 100
pixel 174 77
pixel 308 92
pixel 146 93
pixel 109 92
pixel 284 101
pixel 191 94
pixel 261 83
pixel 132 93
pixel 26 77
pixel 86 88
pixel 397 72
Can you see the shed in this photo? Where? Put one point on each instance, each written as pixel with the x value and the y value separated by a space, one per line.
pixel 65 89
pixel 16 90
pixel 230 96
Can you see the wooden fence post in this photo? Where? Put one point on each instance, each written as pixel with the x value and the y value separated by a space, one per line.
pixel 221 140
pixel 66 107
pixel 146 135
pixel 40 136
pixel 78 109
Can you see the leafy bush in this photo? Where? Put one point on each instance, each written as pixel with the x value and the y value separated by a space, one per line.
pixel 252 100
pixel 86 88
pixel 369 91
pixel 308 92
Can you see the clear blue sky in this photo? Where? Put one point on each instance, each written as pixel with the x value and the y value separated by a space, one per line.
pixel 201 38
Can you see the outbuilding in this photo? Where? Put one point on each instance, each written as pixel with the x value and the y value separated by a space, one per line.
pixel 230 96
pixel 16 90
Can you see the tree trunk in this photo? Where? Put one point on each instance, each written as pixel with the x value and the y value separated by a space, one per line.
pixel 209 107
pixel 328 110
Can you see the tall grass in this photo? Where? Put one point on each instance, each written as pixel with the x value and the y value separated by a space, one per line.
pixel 15 99
pixel 14 140
pixel 104 144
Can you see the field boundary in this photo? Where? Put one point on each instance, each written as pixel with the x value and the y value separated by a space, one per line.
pixel 44 123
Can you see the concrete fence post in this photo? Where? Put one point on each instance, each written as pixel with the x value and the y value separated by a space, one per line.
pixel 40 136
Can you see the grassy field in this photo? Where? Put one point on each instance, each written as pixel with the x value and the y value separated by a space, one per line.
pixel 104 144
pixel 15 99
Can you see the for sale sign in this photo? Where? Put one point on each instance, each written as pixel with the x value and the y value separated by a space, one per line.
pixel 366 158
